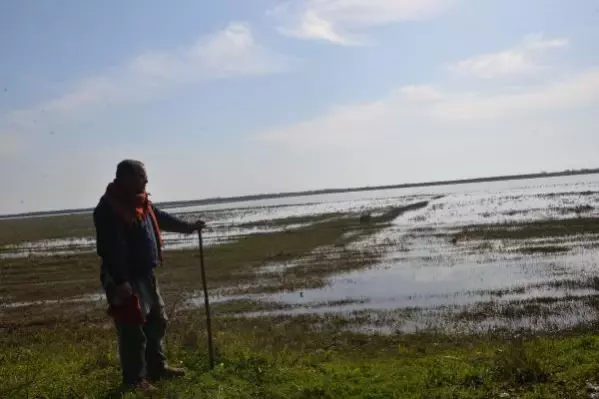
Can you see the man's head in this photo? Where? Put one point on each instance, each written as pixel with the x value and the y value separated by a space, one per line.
pixel 132 176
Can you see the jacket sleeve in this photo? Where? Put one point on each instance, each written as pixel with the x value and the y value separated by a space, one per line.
pixel 171 223
pixel 111 245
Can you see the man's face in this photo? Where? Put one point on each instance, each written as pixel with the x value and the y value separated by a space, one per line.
pixel 137 180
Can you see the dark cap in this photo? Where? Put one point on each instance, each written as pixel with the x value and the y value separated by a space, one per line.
pixel 128 167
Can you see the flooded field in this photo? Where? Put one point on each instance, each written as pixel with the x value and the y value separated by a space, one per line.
pixel 503 255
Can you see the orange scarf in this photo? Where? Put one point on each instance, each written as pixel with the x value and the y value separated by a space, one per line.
pixel 133 210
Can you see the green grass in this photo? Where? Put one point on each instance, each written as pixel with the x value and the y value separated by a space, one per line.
pixel 291 220
pixel 18 231
pixel 68 350
pixel 286 358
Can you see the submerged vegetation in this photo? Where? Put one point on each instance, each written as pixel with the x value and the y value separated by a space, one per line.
pixel 532 336
pixel 532 229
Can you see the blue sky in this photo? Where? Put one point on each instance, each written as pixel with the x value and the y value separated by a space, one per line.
pixel 239 97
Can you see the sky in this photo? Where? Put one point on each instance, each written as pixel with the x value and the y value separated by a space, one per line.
pixel 236 97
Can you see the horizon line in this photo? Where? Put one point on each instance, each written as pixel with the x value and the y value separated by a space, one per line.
pixel 287 194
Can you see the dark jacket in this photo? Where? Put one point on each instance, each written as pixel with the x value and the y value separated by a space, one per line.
pixel 130 252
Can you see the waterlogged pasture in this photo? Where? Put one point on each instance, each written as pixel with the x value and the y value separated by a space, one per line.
pixel 416 266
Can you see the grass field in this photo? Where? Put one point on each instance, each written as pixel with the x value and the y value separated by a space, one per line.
pixel 56 340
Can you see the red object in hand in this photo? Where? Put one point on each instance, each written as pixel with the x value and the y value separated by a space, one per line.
pixel 129 312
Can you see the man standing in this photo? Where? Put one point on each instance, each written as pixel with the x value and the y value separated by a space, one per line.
pixel 130 245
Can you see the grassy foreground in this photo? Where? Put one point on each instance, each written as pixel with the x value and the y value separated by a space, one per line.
pixel 68 349
pixel 285 358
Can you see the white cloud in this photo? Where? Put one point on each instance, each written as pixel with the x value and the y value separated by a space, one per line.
pixel 563 95
pixel 231 52
pixel 348 126
pixel 416 113
pixel 342 21
pixel 417 133
pixel 522 59
pixel 421 133
pixel 421 93
pixel 313 26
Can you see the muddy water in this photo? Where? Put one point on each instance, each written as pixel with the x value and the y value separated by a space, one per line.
pixel 450 278
pixel 425 271
pixel 437 278
pixel 422 268
pixel 460 204
pixel 223 225
pixel 90 298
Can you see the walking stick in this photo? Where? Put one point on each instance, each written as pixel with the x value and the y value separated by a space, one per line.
pixel 206 302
